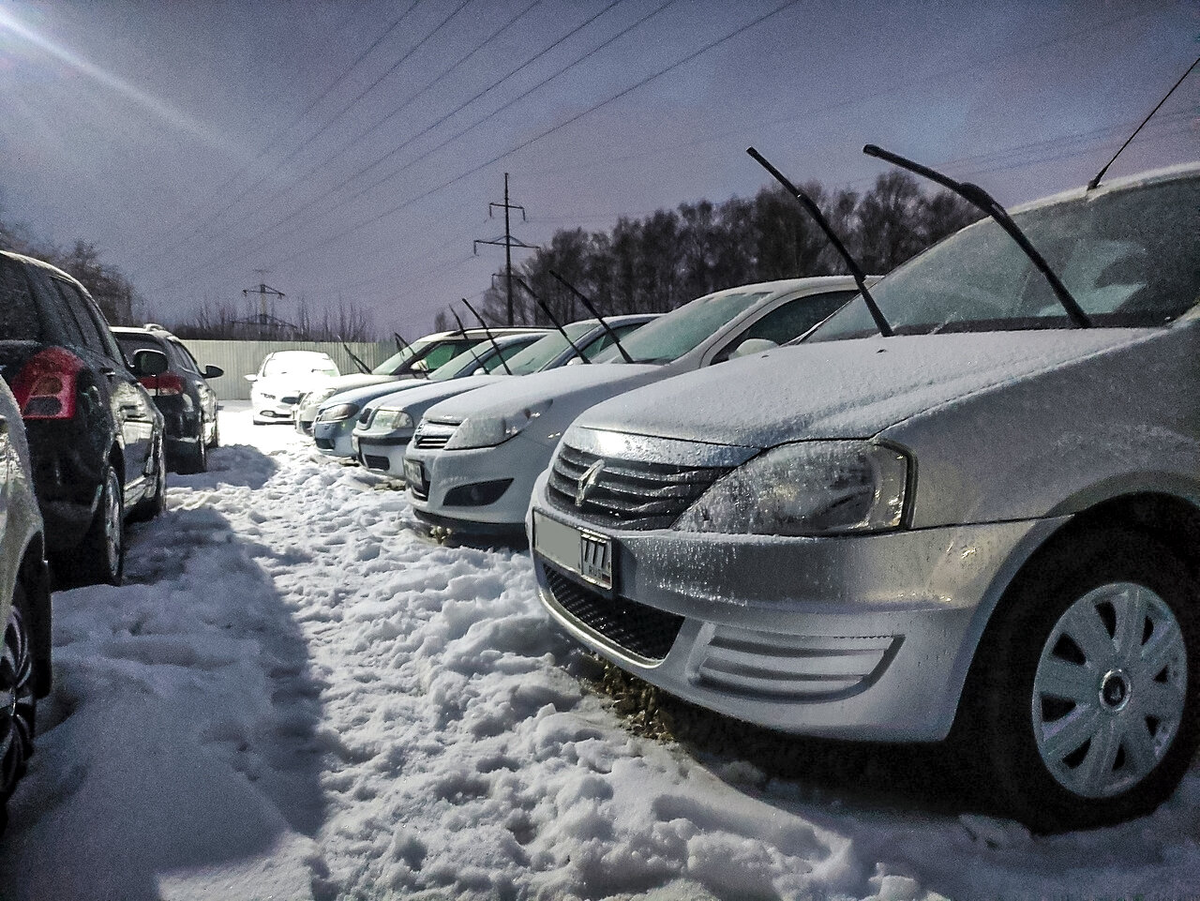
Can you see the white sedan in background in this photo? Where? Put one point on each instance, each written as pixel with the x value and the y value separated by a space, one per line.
pixel 282 378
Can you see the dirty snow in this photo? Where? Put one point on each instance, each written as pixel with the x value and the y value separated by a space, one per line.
pixel 297 696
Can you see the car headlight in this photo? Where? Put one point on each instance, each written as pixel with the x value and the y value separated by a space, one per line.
pixel 338 412
pixel 318 397
pixel 389 420
pixel 490 431
pixel 808 488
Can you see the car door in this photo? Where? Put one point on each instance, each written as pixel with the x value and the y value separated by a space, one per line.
pixel 189 369
pixel 132 410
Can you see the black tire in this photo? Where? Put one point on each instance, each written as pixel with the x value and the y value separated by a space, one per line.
pixel 18 705
pixel 195 459
pixel 103 548
pixel 1079 727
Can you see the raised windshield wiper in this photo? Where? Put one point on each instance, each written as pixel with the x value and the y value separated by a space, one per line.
pixel 545 309
pixel 470 347
pixel 400 342
pixel 980 198
pixel 487 331
pixel 860 279
pixel 591 309
pixel 362 367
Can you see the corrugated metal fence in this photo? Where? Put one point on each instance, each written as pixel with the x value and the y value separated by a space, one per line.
pixel 241 358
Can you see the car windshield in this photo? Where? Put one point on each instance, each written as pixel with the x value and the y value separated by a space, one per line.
pixel 396 360
pixel 671 336
pixel 535 357
pixel 464 362
pixel 1130 258
pixel 299 364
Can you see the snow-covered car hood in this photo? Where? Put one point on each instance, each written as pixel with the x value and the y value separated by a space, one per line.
pixel 424 393
pixel 843 389
pixel 358 380
pixel 538 387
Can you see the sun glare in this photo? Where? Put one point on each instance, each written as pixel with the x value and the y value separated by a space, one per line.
pixel 14 31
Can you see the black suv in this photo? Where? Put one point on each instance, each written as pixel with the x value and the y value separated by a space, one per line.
pixel 95 436
pixel 187 403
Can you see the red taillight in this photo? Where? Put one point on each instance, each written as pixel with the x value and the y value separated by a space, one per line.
pixel 45 386
pixel 165 383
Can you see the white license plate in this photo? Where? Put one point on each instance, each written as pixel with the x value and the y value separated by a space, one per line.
pixel 586 554
pixel 414 473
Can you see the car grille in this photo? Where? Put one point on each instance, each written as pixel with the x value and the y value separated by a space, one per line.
pixel 434 435
pixel 374 462
pixel 324 443
pixel 289 399
pixel 634 628
pixel 630 494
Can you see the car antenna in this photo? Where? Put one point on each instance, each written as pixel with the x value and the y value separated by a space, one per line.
pixel 545 309
pixel 470 347
pixel 980 198
pixel 591 309
pixel 487 331
pixel 860 279
pixel 1095 182
pixel 362 367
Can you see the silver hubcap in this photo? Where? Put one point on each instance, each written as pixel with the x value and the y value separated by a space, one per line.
pixel 1109 691
pixel 16 732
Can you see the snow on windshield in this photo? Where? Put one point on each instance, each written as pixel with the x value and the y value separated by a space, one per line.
pixel 1131 258
pixel 296 696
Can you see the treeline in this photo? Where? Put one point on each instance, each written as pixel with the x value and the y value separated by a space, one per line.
pixel 114 293
pixel 671 257
pixel 245 320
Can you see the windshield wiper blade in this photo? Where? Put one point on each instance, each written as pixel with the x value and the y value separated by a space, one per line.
pixel 470 347
pixel 487 331
pixel 545 309
pixel 977 196
pixel 591 309
pixel 362 367
pixel 807 202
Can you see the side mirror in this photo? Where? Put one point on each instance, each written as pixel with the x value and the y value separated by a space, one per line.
pixel 250 378
pixel 149 362
pixel 752 346
pixel 212 372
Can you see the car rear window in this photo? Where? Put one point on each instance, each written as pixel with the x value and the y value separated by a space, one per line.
pixel 19 320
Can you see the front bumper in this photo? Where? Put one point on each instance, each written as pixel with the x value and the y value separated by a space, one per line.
pixel 382 453
pixel 865 637
pixel 519 460
pixel 333 437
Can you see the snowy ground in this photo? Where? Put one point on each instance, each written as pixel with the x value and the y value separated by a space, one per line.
pixel 297 696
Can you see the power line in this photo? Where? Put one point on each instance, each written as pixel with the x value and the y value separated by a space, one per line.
pixel 551 46
pixel 161 250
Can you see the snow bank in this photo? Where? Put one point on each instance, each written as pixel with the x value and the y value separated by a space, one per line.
pixel 297 696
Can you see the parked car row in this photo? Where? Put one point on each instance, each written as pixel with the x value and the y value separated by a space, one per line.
pixel 961 505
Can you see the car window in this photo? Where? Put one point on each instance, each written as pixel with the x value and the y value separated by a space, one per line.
pixel 131 344
pixel 76 307
pixel 1131 258
pixel 684 329
pixel 535 356
pixel 790 320
pixel 19 320
pixel 494 364
pixel 186 361
pixel 444 352
pixel 58 323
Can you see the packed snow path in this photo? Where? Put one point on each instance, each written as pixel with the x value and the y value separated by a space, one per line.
pixel 297 696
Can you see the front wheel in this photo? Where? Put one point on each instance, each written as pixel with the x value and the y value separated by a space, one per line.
pixel 18 708
pixel 1089 693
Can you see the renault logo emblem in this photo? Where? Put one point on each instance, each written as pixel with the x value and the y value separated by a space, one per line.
pixel 587 482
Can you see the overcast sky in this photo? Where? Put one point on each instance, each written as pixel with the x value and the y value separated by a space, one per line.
pixel 348 151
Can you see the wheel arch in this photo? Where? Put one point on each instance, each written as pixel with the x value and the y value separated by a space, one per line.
pixel 1169 519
